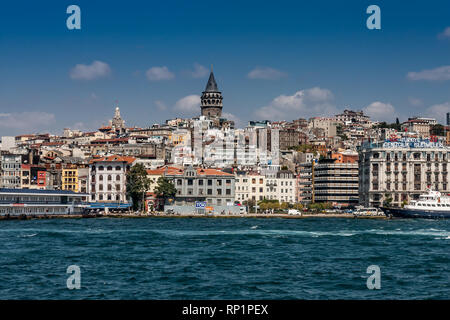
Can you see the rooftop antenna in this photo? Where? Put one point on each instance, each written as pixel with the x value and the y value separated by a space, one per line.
pixel 211 67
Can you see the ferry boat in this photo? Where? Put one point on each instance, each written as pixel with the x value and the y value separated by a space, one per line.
pixel 433 204
pixel 30 202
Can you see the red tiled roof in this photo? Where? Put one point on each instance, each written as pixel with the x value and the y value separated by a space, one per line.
pixel 212 172
pixel 162 170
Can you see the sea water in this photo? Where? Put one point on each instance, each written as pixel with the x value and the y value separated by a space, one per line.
pixel 217 258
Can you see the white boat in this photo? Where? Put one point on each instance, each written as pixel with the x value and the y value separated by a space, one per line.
pixel 433 204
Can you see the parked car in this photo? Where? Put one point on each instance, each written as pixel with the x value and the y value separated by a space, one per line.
pixel 294 212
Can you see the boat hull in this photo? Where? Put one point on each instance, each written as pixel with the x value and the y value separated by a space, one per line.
pixel 410 213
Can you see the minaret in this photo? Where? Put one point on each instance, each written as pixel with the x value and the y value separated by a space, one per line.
pixel 211 100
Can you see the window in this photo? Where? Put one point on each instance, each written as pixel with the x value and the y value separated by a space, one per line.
pixel 118 168
pixel 109 168
pixel 200 182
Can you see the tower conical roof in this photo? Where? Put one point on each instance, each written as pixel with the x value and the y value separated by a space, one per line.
pixel 211 86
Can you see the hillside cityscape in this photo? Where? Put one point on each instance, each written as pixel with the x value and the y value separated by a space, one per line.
pixel 206 164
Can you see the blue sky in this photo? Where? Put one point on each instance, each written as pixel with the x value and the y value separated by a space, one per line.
pixel 272 60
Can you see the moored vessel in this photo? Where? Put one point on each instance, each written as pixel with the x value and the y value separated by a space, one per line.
pixel 433 204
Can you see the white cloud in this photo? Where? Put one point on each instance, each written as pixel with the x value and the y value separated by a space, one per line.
pixel 440 73
pixel 445 34
pixel 188 105
pixel 160 105
pixel 238 122
pixel 199 71
pixel 415 102
pixel 380 111
pixel 96 69
pixel 159 73
pixel 26 121
pixel 266 73
pixel 438 111
pixel 302 104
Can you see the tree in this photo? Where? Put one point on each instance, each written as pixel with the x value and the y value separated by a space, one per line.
pixel 137 185
pixel 251 205
pixel 387 200
pixel 437 130
pixel 165 188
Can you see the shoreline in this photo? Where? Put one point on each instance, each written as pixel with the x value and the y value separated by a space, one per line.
pixel 217 216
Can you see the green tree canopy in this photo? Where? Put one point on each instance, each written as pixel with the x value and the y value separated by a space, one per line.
pixel 165 188
pixel 437 130
pixel 138 183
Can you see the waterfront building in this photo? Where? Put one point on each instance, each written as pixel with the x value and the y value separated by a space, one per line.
pixel 16 202
pixel 397 171
pixel 107 178
pixel 155 174
pixel 70 177
pixel 336 181
pixel 215 187
pixel 281 185
pixel 304 182
pixel 249 186
pixel 11 171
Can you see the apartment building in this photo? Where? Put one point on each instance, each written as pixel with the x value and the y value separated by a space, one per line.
pixel 70 177
pixel 107 178
pixel 11 171
pixel 304 183
pixel 336 182
pixel 249 186
pixel 401 170
pixel 281 186
pixel 215 187
pixel 419 125
pixel 328 125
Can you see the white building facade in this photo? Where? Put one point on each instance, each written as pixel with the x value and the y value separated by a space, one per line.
pixel 107 178
pixel 399 171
